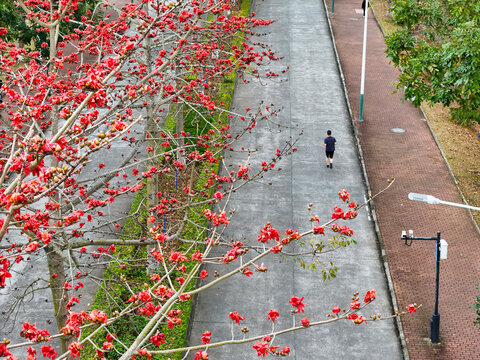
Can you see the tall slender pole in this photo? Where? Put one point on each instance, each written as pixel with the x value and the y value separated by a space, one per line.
pixel 333 5
pixel 364 56
pixel 435 322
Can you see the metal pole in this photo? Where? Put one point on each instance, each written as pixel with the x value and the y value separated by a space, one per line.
pixel 435 322
pixel 333 5
pixel 459 205
pixel 364 56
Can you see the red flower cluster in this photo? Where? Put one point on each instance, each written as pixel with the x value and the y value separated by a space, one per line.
pixel 343 230
pixel 216 219
pixel 201 355
pixel 268 233
pixel 344 195
pixel 232 254
pixel 30 332
pixel 4 274
pixel 357 319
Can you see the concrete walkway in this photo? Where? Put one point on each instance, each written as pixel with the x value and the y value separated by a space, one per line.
pixel 313 101
pixel 414 159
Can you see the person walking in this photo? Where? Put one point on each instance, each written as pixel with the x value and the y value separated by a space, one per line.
pixel 329 144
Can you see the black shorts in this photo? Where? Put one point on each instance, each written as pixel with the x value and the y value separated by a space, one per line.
pixel 329 154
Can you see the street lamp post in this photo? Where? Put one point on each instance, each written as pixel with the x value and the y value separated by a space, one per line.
pixel 364 58
pixel 440 253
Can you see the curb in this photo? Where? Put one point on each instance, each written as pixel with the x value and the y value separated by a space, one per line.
pixel 367 183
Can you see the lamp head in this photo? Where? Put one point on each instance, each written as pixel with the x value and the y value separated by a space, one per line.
pixel 429 199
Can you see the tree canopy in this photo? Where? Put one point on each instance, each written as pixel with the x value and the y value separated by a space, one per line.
pixel 438 52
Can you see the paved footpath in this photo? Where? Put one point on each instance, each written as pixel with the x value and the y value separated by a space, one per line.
pixel 415 161
pixel 313 101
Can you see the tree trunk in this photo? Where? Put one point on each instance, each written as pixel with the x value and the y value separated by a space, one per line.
pixel 59 294
pixel 179 122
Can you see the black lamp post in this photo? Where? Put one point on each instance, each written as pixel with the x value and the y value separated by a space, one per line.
pixel 435 322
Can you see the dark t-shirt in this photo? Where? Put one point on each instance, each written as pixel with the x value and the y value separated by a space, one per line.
pixel 330 141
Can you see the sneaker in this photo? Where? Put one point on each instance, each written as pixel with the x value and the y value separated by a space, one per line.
pixel 331 165
pixel 328 166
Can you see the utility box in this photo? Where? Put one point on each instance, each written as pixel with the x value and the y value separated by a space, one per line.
pixel 443 249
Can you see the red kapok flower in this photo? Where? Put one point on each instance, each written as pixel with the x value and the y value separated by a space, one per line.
pixel 319 230
pixel 337 213
pixel 273 314
pixel 201 355
pixel 355 304
pixel 369 296
pixel 297 302
pixel 336 310
pixel 276 249
pixel 235 316
pixel 261 347
pixel 246 271
pixel 344 195
pixel 412 308
pixel 158 338
pixel 49 352
pixel 74 349
pixel 206 337
pixel 145 353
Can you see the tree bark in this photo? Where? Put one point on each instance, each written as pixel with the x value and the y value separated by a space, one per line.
pixel 59 293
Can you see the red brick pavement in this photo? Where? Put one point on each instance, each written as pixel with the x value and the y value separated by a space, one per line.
pixel 415 161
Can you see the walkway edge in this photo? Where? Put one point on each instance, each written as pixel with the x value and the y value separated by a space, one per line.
pixel 367 184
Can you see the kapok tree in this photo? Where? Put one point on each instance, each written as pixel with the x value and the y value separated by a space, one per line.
pixel 117 72
pixel 147 69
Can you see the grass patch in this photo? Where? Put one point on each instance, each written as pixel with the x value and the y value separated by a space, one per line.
pixel 381 8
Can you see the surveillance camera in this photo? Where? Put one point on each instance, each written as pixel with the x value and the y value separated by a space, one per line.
pixel 410 232
pixel 404 234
